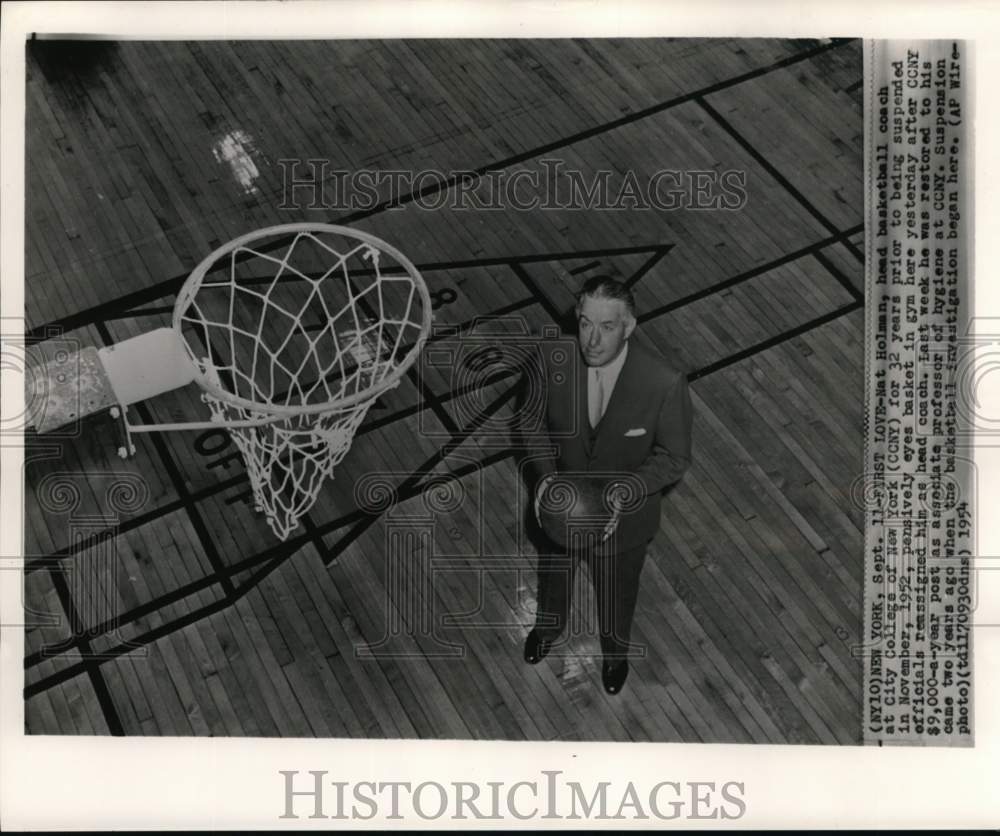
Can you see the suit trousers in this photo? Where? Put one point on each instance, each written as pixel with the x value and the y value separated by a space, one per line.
pixel 615 579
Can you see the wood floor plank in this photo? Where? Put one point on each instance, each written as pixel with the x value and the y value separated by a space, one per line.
pixel 753 581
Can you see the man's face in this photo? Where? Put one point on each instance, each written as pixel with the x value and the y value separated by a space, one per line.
pixel 605 325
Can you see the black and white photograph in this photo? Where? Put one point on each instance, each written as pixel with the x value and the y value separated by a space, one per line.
pixel 346 542
pixel 539 390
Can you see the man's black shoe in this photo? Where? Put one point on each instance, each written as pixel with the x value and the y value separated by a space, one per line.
pixel 536 648
pixel 614 674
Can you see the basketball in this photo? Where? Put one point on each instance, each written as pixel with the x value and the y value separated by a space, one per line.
pixel 573 508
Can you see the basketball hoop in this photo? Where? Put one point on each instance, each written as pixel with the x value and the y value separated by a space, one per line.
pixel 292 332
pixel 292 343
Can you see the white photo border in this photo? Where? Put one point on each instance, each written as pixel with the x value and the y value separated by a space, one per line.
pixel 83 783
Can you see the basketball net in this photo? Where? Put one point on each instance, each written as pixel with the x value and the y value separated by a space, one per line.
pixel 292 395
pixel 288 461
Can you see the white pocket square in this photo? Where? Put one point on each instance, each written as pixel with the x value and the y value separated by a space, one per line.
pixel 636 432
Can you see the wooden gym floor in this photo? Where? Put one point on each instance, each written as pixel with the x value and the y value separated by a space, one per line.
pixel 176 611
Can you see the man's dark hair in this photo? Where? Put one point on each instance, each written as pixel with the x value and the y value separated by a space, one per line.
pixel 604 287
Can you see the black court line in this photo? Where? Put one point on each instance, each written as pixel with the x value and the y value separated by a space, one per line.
pixel 597 130
pixel 639 274
pixel 313 533
pixel 177 481
pixel 409 489
pixel 163 310
pixel 739 278
pixel 838 274
pixel 411 486
pixel 776 340
pixel 140 641
pixel 447 331
pixel 275 557
pixel 429 398
pixel 837 236
pixel 557 316
pixel 240 480
pixel 773 171
pixel 173 285
pixel 124 305
pixel 92 666
pixel 535 295
pixel 150 607
pixel 580 136
pixel 583 269
pixel 37 563
pixel 305 520
pixel 451 332
pixel 281 552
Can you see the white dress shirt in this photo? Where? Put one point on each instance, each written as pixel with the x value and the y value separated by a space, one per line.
pixel 601 382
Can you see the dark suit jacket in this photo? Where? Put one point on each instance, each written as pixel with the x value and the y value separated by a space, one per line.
pixel 645 431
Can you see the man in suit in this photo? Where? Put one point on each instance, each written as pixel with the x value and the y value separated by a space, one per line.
pixel 616 408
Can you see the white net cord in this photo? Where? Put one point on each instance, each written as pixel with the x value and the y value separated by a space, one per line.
pixel 294 343
pixel 289 461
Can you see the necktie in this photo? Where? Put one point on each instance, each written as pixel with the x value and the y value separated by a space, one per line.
pixel 597 399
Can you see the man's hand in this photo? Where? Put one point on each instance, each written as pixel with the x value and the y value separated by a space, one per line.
pixel 539 491
pixel 617 497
